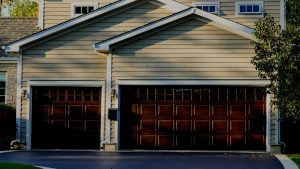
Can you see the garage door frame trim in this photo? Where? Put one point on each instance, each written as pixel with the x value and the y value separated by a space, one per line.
pixel 60 83
pixel 161 82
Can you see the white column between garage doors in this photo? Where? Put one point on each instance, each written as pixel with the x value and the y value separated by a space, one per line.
pixel 243 83
pixel 52 83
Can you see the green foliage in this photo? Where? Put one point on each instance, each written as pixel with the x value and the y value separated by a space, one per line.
pixel 22 8
pixel 6 165
pixel 278 59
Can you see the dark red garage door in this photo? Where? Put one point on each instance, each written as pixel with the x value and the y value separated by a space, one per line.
pixel 64 117
pixel 192 118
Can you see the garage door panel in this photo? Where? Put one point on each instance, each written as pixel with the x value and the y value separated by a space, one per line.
pixel 237 141
pixel 75 125
pixel 238 125
pixel 183 110
pixel 147 109
pixel 219 110
pixel 183 125
pixel 201 126
pixel 238 111
pixel 165 141
pixel 73 120
pixel 147 141
pixel 148 125
pixel 202 141
pixel 165 110
pixel 183 141
pixel 58 111
pixel 165 125
pixel 201 111
pixel 219 141
pixel 219 125
pixel 198 117
pixel 75 111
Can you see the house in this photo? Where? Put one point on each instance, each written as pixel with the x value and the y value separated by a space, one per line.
pixel 145 74
pixel 12 29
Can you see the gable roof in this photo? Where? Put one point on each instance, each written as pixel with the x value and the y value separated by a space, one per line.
pixel 15 46
pixel 13 28
pixel 220 22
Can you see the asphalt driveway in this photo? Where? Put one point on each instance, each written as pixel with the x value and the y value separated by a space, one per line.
pixel 142 160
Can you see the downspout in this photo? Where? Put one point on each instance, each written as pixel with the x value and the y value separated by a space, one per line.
pixel 283 27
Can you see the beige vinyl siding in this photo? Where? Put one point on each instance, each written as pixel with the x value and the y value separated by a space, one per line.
pixel 56 12
pixel 71 56
pixel 189 50
pixel 227 10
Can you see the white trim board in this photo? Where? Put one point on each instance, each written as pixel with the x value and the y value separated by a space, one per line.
pixel 220 22
pixel 31 84
pixel 195 82
pixel 15 46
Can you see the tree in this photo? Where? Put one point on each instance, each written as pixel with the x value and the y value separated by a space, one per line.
pixel 278 59
pixel 21 8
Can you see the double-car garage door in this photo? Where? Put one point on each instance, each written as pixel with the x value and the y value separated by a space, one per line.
pixel 188 117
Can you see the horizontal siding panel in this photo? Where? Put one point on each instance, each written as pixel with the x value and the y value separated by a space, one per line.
pixel 64 65
pixel 64 70
pixel 67 61
pixel 62 52
pixel 193 42
pixel 183 65
pixel 63 75
pixel 189 74
pixel 193 46
pixel 186 51
pixel 181 60
pixel 178 55
pixel 198 69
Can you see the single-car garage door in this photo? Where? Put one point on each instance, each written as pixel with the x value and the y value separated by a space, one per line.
pixel 65 117
pixel 169 117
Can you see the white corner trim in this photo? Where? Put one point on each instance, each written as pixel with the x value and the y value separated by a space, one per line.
pixel 19 98
pixel 15 46
pixel 108 96
pixel 70 83
pixel 258 83
pixel 268 123
pixel 102 127
pixel 41 14
pixel 104 47
pixel 118 125
pixel 228 25
pixel 282 14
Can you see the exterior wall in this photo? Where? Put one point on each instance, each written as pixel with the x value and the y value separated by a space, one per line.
pixel 192 49
pixel 59 11
pixel 227 10
pixel 10 68
pixel 71 56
